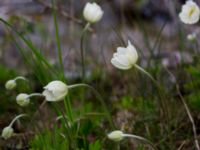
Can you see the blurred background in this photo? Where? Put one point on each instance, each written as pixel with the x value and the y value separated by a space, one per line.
pixel 139 21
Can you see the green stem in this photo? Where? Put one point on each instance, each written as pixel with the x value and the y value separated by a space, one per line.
pixel 99 98
pixel 66 124
pixel 17 117
pixel 69 109
pixel 82 50
pixel 140 139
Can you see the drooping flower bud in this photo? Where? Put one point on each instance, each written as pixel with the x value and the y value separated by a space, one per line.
pixel 55 91
pixel 10 84
pixel 23 99
pixel 7 132
pixel 116 135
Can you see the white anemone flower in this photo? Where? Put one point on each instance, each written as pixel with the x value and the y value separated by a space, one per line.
pixel 190 13
pixel 92 12
pixel 55 91
pixel 125 58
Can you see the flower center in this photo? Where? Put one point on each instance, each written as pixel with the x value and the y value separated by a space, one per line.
pixel 191 11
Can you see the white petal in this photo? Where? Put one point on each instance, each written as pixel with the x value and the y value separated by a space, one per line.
pixel 48 95
pixel 118 65
pixel 121 50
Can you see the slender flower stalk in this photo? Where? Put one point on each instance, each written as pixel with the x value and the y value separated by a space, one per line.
pixel 20 78
pixel 16 118
pixel 8 131
pixel 146 73
pixel 35 95
pixel 82 49
pixel 11 84
pixel 141 139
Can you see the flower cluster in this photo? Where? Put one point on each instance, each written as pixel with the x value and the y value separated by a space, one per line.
pixel 124 58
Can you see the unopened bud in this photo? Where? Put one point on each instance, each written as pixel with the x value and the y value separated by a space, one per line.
pixel 23 99
pixel 116 135
pixel 7 132
pixel 10 84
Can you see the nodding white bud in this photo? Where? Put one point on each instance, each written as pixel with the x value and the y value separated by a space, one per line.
pixel 7 132
pixel 92 12
pixel 23 99
pixel 10 84
pixel 116 135
pixel 55 91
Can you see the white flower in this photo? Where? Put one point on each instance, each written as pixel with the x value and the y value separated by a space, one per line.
pixel 191 37
pixel 116 135
pixel 10 84
pixel 92 12
pixel 55 91
pixel 23 99
pixel 190 13
pixel 7 132
pixel 125 58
